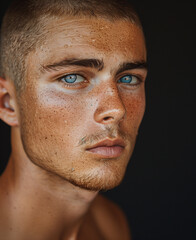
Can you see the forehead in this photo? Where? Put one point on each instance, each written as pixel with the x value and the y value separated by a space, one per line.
pixel 91 38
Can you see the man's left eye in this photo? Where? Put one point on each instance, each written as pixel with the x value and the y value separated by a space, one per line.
pixel 72 78
pixel 128 79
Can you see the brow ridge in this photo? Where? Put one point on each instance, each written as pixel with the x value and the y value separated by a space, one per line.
pixel 93 63
pixel 132 65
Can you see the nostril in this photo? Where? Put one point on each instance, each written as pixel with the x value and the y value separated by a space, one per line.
pixel 107 118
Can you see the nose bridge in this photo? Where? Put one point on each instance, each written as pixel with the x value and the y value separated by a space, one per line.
pixel 110 106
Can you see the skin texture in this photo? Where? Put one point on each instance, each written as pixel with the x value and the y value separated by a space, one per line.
pixel 61 117
pixel 51 171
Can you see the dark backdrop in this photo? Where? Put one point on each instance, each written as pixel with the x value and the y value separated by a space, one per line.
pixel 156 193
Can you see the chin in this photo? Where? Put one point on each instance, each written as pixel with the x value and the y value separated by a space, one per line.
pixel 98 180
pixel 96 185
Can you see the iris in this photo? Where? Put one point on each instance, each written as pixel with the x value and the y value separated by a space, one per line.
pixel 72 78
pixel 126 79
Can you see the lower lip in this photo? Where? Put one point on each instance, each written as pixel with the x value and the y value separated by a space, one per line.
pixel 107 152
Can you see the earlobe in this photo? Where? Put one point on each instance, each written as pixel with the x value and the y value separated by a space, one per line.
pixel 7 111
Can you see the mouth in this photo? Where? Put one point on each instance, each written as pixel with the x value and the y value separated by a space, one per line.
pixel 108 148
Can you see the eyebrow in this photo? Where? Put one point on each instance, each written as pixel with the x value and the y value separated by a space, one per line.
pixel 93 63
pixel 132 65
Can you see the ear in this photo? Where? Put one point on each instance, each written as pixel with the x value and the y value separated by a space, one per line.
pixel 7 103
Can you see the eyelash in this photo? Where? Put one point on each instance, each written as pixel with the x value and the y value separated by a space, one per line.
pixel 72 85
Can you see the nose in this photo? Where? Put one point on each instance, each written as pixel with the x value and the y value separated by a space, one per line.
pixel 110 108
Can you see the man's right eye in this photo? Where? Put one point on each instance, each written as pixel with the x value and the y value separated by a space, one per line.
pixel 72 78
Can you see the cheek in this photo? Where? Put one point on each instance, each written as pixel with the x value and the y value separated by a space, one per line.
pixel 135 107
pixel 51 128
pixel 52 119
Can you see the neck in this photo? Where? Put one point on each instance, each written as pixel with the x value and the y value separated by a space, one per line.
pixel 33 195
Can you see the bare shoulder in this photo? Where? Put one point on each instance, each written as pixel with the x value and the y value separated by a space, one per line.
pixel 110 219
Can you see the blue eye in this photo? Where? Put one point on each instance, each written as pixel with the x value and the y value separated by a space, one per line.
pixel 72 78
pixel 128 79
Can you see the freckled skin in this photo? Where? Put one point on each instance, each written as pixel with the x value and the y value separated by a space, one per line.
pixel 50 187
pixel 61 117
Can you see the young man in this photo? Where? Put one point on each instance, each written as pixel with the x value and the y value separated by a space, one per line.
pixel 72 90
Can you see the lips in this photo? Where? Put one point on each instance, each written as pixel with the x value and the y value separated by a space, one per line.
pixel 108 148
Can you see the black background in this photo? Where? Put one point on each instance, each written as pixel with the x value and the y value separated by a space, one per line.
pixel 156 194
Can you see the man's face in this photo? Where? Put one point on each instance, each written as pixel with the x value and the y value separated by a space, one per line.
pixel 84 100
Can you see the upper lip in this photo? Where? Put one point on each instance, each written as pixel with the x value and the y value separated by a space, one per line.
pixel 108 143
